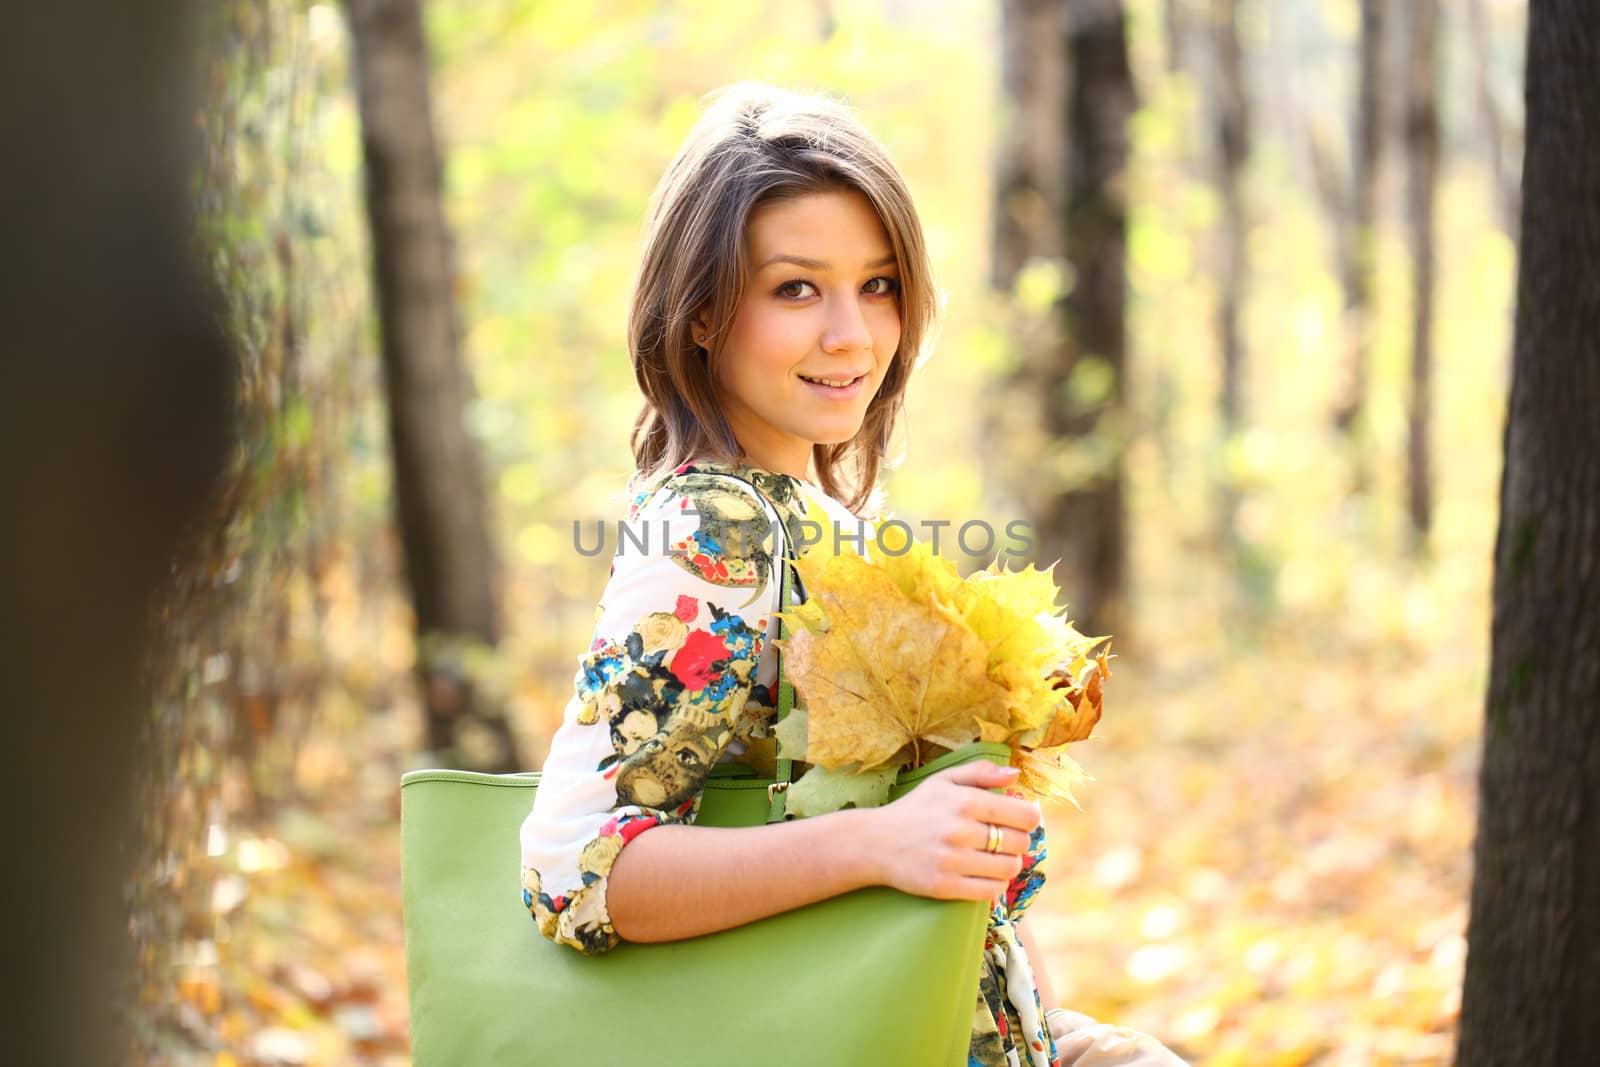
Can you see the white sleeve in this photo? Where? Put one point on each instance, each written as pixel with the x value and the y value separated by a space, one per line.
pixel 683 626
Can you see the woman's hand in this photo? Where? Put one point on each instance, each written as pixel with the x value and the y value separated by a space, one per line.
pixel 1063 1022
pixel 1083 1042
pixel 931 842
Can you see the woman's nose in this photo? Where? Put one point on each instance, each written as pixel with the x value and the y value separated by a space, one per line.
pixel 847 328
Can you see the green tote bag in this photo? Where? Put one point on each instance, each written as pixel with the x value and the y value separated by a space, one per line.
pixel 874 977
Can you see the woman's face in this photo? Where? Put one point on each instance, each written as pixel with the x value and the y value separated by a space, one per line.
pixel 815 331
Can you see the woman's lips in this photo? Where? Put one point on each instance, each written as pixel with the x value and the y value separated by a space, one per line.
pixel 836 392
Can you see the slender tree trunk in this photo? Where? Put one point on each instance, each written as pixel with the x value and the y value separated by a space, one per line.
pixel 1422 149
pixel 1361 243
pixel 1030 188
pixel 1173 23
pixel 1497 129
pixel 1232 149
pixel 1084 522
pixel 1533 958
pixel 1233 146
pixel 439 491
pixel 1029 170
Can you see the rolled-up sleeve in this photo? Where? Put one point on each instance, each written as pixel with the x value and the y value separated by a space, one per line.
pixel 681 631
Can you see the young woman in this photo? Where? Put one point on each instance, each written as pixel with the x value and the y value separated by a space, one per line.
pixel 783 299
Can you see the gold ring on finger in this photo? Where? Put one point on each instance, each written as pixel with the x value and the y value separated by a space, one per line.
pixel 996 838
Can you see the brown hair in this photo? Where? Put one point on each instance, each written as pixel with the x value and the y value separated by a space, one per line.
pixel 757 143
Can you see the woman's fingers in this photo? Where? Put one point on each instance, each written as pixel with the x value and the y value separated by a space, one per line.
pixel 1012 842
pixel 985 806
pixel 1001 865
pixel 969 888
pixel 980 773
pixel 942 832
pixel 1004 811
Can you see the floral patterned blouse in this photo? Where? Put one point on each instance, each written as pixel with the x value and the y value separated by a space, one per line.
pixel 682 674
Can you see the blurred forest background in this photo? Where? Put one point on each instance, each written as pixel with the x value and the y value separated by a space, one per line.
pixel 1229 319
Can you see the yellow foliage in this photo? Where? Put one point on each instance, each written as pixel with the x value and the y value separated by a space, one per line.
pixel 890 676
pixel 900 655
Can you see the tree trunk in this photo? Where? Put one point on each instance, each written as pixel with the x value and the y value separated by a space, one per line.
pixel 1361 242
pixel 1422 150
pixel 1030 188
pixel 1060 197
pixel 117 430
pixel 1533 960
pixel 1232 147
pixel 439 491
pixel 1083 522
pixel 1498 131
pixel 1172 22
pixel 1029 170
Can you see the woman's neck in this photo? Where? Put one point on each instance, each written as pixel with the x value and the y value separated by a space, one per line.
pixel 797 465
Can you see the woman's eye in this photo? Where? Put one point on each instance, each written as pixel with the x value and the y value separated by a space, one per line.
pixel 879 286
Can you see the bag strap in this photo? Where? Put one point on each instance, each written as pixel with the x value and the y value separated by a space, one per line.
pixel 781 564
pixel 778 795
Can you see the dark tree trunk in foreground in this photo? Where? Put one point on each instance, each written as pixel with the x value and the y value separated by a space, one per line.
pixel 1533 960
pixel 439 491
pixel 117 390
pixel 1422 151
pixel 1084 522
pixel 1359 243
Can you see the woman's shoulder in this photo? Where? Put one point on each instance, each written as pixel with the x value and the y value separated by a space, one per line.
pixel 709 490
pixel 730 490
pixel 716 527
pixel 734 492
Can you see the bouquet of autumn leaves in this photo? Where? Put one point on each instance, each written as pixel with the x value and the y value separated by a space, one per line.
pixel 900 659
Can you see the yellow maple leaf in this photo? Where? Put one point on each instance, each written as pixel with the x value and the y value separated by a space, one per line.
pixel 993 731
pixel 1048 774
pixel 890 676
pixel 1079 695
pixel 1003 607
pixel 918 573
pixel 1014 613
pixel 1074 647
pixel 808 615
pixel 1030 698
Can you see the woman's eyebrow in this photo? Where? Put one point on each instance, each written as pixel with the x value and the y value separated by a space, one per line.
pixel 817 264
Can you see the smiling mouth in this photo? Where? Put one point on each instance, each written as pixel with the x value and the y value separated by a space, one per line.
pixel 833 383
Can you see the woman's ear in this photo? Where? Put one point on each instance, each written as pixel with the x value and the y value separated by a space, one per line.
pixel 699 331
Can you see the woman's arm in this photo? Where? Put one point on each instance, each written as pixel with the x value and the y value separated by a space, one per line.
pixel 683 881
